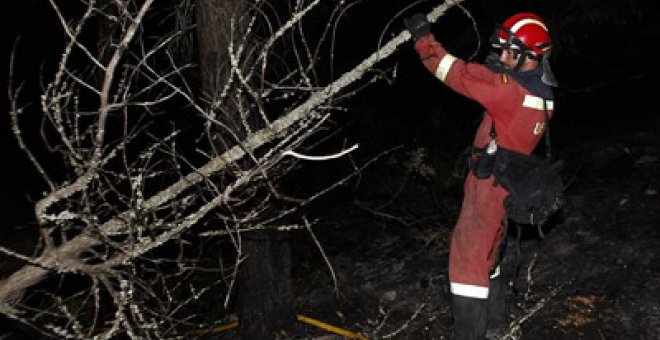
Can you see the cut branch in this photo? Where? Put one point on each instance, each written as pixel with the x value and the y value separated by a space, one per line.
pixel 13 286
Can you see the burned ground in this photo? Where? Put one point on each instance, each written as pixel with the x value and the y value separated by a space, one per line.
pixel 593 275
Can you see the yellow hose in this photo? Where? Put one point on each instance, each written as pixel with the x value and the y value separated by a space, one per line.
pixel 331 328
pixel 320 324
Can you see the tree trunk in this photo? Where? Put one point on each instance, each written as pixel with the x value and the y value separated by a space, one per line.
pixel 214 35
pixel 264 294
pixel 265 298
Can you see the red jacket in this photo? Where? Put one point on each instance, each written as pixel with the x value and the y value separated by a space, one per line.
pixel 517 112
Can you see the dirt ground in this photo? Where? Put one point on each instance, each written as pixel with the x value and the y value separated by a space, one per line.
pixel 594 275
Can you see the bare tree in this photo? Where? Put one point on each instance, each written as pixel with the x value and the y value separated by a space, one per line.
pixel 265 269
pixel 127 216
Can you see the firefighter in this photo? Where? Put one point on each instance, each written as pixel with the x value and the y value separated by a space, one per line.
pixel 515 89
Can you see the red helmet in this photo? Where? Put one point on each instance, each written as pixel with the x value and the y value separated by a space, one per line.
pixel 524 31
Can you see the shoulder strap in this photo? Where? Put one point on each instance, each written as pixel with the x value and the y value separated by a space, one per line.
pixel 548 151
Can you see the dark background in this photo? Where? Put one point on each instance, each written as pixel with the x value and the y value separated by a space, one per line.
pixel 604 59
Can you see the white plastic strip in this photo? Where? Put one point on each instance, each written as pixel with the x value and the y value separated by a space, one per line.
pixel 444 66
pixel 477 292
pixel 319 158
pixel 534 102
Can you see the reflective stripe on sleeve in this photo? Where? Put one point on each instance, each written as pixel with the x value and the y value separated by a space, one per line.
pixel 444 66
pixel 534 102
pixel 466 290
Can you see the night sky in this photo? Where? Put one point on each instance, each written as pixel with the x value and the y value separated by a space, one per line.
pixel 29 27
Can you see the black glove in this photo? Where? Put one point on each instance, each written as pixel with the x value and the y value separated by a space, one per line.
pixel 417 25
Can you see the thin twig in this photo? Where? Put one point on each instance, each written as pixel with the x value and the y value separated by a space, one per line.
pixel 325 257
